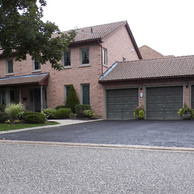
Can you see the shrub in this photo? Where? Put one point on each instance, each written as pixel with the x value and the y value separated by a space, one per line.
pixel 2 107
pixel 63 113
pixel 3 117
pixel 60 106
pixel 72 99
pixel 186 110
pixel 80 108
pixel 49 113
pixel 72 116
pixel 34 117
pixel 139 112
pixel 13 110
pixel 89 113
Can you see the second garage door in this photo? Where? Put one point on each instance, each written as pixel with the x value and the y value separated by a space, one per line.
pixel 121 103
pixel 164 102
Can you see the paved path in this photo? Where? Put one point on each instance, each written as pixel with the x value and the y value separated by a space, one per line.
pixel 49 169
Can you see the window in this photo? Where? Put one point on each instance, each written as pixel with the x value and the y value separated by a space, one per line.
pixel 67 59
pixel 36 65
pixel 104 55
pixel 85 56
pixel 10 66
pixel 67 88
pixel 86 94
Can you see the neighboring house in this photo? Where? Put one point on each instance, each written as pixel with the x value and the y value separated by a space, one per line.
pixel 162 86
pixel 94 50
pixel 149 53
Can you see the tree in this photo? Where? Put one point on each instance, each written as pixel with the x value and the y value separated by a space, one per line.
pixel 23 32
pixel 72 99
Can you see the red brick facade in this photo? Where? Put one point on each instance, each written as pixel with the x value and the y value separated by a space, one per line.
pixel 118 45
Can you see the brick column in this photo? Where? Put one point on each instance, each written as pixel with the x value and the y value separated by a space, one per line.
pixel 186 95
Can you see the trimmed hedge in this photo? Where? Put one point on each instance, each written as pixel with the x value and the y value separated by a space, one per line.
pixel 34 117
pixel 60 106
pixel 3 117
pixel 80 108
pixel 2 107
pixel 63 113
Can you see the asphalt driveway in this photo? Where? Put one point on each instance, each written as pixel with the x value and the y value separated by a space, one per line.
pixel 145 133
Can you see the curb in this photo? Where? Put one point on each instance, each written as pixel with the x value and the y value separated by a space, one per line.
pixel 139 147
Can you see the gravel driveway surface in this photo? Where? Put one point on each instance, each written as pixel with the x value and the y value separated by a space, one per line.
pixel 145 133
pixel 41 168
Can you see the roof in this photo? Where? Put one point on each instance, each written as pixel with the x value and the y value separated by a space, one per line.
pixel 99 32
pixel 150 69
pixel 149 53
pixel 38 79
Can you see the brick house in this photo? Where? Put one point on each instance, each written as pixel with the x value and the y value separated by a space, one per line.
pixel 113 89
pixel 94 50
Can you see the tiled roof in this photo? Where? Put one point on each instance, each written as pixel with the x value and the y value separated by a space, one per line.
pixel 24 79
pixel 96 32
pixel 150 69
pixel 149 53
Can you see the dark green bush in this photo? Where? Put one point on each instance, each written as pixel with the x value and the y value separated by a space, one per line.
pixel 80 108
pixel 72 99
pixel 3 117
pixel 2 107
pixel 63 113
pixel 34 117
pixel 60 106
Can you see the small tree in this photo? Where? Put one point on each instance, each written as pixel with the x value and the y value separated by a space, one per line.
pixel 72 99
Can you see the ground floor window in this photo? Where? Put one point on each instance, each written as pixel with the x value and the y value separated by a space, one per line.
pixel 85 94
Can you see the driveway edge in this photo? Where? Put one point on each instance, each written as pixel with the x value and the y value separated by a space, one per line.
pixel 140 147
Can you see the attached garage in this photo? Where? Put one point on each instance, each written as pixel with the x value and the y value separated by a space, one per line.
pixel 121 103
pixel 163 102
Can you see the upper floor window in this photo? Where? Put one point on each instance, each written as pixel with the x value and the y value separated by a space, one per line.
pixel 67 59
pixel 36 65
pixel 104 56
pixel 85 56
pixel 10 66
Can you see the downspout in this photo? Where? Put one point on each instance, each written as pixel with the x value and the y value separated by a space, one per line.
pixel 101 58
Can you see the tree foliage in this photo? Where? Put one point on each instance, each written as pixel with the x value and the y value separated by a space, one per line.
pixel 23 32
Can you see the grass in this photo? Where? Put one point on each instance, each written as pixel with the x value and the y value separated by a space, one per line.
pixel 7 127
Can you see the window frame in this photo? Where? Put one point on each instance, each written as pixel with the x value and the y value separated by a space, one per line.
pixel 7 66
pixel 82 86
pixel 64 54
pixel 81 56
pixel 34 65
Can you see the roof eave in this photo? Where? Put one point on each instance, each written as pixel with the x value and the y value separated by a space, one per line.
pixel 146 78
pixel 133 41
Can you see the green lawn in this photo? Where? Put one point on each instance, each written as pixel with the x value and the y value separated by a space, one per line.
pixel 6 127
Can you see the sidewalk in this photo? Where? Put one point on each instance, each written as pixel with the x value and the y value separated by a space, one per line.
pixel 62 122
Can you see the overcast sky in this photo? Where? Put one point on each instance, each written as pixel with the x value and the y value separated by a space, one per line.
pixel 165 25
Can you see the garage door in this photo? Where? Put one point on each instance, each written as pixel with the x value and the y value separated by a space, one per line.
pixel 121 103
pixel 192 97
pixel 164 102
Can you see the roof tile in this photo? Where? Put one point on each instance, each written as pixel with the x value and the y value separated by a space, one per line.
pixel 155 68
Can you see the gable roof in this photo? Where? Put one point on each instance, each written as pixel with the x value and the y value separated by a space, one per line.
pixel 99 32
pixel 149 53
pixel 150 69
